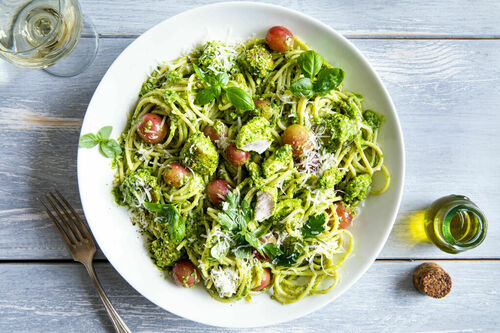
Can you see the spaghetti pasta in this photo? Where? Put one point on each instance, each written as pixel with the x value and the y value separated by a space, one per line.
pixel 310 197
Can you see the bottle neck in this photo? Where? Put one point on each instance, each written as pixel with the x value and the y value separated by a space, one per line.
pixel 459 225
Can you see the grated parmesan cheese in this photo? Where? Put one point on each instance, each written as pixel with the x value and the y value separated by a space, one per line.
pixel 225 280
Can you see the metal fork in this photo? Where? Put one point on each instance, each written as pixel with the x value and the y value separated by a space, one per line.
pixel 82 247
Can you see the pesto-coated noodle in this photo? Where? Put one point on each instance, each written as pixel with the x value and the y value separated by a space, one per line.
pixel 307 194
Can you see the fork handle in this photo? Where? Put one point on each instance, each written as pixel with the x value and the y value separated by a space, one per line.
pixel 118 323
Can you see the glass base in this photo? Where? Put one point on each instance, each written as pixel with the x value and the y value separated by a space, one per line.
pixel 82 55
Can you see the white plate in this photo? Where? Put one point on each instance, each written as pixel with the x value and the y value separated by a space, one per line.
pixel 116 95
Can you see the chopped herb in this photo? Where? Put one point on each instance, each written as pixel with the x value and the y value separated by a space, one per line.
pixel 314 226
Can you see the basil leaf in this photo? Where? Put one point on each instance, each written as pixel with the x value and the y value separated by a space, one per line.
pixel 229 219
pixel 199 72
pixel 314 226
pixel 272 250
pixel 302 87
pixel 222 79
pixel 310 62
pixel 169 214
pixel 88 141
pixel 286 259
pixel 328 79
pixel 207 95
pixel 110 148
pixel 104 132
pixel 239 98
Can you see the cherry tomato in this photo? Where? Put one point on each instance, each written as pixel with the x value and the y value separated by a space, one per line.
pixel 259 104
pixel 211 133
pixel 344 214
pixel 174 174
pixel 185 274
pixel 265 240
pixel 299 138
pixel 265 281
pixel 236 156
pixel 279 39
pixel 152 128
pixel 217 191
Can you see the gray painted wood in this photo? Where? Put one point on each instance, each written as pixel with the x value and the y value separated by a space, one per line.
pixel 445 92
pixel 60 297
pixel 360 18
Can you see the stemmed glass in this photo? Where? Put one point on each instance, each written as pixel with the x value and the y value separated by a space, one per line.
pixel 48 34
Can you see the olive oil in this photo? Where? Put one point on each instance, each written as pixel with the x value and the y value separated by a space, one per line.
pixel 455 224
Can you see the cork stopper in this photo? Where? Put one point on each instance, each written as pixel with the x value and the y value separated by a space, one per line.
pixel 431 279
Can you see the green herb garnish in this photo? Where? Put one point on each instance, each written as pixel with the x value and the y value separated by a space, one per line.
pixel 108 147
pixel 218 83
pixel 314 226
pixel 167 213
pixel 317 80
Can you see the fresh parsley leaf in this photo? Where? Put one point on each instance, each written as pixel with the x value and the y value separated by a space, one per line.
pixel 104 132
pixel 272 250
pixel 253 241
pixel 88 140
pixel 239 98
pixel 286 259
pixel 310 62
pixel 229 219
pixel 302 87
pixel 110 148
pixel 314 226
pixel 328 79
pixel 235 216
pixel 167 213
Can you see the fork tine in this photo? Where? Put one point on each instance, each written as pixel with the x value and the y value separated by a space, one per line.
pixel 68 230
pixel 69 219
pixel 56 222
pixel 81 224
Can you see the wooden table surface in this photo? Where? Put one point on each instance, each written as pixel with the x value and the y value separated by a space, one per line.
pixel 440 61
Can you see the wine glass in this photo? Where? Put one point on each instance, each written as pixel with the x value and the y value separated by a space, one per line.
pixel 48 34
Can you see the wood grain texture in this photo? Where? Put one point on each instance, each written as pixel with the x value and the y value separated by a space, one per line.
pixel 445 93
pixel 362 18
pixel 61 298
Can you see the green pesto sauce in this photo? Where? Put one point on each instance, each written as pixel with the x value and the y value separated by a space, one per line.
pixel 258 128
pixel 330 178
pixel 279 160
pixel 139 184
pixel 339 130
pixel 217 57
pixel 164 252
pixel 357 189
pixel 373 119
pixel 200 154
pixel 258 61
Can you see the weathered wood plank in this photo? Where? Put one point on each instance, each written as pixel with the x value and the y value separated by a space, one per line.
pixel 360 18
pixel 446 96
pixel 61 298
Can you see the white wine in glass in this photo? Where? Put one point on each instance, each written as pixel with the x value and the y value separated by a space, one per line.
pixel 46 34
